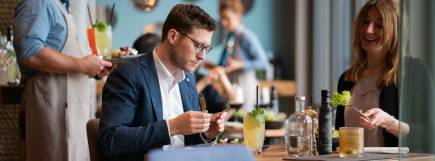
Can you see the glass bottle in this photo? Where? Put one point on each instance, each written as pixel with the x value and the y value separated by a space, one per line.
pixel 313 115
pixel 274 104
pixel 13 72
pixel 298 134
pixel 325 124
pixel 3 60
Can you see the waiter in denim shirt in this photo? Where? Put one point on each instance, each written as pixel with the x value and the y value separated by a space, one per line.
pixel 57 95
pixel 243 53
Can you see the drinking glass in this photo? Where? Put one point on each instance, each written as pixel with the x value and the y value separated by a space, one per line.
pixel 264 97
pixel 103 41
pixel 237 101
pixel 253 132
pixel 91 39
pixel 351 141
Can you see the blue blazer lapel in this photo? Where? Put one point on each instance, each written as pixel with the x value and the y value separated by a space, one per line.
pixel 188 95
pixel 152 81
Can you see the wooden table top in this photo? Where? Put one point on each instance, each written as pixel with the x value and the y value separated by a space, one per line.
pixel 277 153
pixel 272 153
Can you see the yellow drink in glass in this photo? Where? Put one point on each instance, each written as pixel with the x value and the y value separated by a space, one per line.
pixel 103 40
pixel 253 132
pixel 351 140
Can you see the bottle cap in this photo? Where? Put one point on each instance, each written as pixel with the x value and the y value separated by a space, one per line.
pixel 325 93
pixel 300 98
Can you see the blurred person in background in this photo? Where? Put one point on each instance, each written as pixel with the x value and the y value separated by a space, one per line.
pixel 146 43
pixel 243 54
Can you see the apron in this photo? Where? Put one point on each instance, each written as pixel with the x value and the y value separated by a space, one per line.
pixel 246 79
pixel 58 107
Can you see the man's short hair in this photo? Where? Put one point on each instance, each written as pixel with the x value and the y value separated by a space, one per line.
pixel 185 18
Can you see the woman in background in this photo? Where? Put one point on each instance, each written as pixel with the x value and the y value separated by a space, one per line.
pixel 372 78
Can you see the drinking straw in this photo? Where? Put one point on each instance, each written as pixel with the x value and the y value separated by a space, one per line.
pixel 90 17
pixel 257 97
pixel 111 13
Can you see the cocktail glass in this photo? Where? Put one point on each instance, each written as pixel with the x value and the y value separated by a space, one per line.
pixel 253 132
pixel 91 39
pixel 103 40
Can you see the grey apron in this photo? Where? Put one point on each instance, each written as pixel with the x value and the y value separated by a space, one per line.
pixel 247 79
pixel 57 109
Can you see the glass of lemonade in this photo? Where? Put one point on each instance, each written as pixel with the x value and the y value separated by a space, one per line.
pixel 351 140
pixel 103 39
pixel 253 130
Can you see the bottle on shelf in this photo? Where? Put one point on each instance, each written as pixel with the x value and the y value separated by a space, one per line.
pixel 325 124
pixel 274 103
pixel 298 131
pixel 13 71
pixel 314 117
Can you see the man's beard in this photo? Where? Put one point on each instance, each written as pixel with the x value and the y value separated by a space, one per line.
pixel 176 60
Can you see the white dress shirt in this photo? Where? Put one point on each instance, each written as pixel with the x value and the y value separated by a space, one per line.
pixel 171 98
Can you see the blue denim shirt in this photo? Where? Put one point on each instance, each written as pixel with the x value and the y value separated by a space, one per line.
pixel 252 53
pixel 37 24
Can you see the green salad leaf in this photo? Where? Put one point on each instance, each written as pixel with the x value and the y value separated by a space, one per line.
pixel 342 99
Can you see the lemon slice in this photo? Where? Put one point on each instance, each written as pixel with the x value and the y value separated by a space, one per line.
pixel 101 26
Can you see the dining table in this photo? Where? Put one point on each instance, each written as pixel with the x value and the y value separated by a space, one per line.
pixel 277 152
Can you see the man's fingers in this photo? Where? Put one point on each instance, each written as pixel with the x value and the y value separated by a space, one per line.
pixel 200 127
pixel 106 63
pixel 199 120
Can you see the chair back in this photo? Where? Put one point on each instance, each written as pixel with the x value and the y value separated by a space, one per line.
pixel 92 129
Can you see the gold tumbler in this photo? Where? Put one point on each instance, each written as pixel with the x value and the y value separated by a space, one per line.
pixel 351 141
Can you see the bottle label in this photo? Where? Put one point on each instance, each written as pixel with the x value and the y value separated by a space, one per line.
pixel 325 132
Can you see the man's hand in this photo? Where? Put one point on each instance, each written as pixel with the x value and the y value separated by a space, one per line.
pixel 217 125
pixel 93 66
pixel 191 122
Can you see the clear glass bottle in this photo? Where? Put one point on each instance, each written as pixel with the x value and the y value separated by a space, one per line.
pixel 13 71
pixel 314 117
pixel 298 126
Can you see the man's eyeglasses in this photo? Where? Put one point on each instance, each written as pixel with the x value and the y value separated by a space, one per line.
pixel 197 45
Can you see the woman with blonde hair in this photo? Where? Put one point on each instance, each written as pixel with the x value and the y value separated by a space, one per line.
pixel 372 78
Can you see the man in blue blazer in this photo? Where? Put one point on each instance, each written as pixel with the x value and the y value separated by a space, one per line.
pixel 151 101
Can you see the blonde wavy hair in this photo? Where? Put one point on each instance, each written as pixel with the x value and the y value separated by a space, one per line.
pixel 389 11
